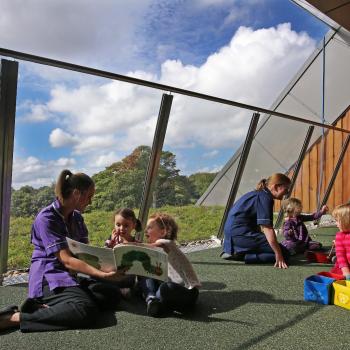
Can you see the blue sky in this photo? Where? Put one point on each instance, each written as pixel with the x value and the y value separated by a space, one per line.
pixel 241 50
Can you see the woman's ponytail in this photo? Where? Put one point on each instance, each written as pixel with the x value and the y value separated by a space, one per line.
pixel 261 185
pixel 62 184
pixel 274 179
pixel 67 182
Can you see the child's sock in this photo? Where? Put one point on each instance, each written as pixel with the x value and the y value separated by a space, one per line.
pixel 154 307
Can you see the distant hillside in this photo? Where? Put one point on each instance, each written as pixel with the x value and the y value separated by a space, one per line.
pixel 121 185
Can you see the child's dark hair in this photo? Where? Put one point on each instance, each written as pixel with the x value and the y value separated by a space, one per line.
pixel 167 222
pixel 67 182
pixel 129 214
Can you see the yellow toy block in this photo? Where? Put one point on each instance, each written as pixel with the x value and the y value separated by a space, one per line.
pixel 342 294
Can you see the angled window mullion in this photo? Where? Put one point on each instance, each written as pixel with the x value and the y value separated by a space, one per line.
pixel 8 91
pixel 240 169
pixel 335 173
pixel 296 172
pixel 154 160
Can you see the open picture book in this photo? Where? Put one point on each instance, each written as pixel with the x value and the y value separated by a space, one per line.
pixel 134 259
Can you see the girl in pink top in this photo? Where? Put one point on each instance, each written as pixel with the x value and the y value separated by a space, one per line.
pixel 342 240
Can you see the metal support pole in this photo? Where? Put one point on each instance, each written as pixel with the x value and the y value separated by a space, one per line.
pixel 335 173
pixel 240 169
pixel 8 91
pixel 153 164
pixel 323 139
pixel 296 172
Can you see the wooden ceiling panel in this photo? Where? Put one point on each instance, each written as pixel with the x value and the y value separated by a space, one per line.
pixel 337 10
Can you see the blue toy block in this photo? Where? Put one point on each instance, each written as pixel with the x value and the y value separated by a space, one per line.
pixel 318 289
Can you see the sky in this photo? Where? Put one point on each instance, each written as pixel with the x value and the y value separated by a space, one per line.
pixel 242 50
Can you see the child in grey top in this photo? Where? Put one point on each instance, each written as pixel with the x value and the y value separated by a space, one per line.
pixel 180 292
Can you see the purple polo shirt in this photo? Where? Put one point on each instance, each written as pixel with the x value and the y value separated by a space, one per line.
pixel 49 232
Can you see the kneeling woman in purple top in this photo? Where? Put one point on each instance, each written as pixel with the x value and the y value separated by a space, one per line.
pixel 57 300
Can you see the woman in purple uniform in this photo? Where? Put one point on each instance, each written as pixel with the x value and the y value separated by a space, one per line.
pixel 57 299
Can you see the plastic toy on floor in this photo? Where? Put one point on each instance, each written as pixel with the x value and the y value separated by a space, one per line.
pixel 331 275
pixel 318 289
pixel 342 294
pixel 321 256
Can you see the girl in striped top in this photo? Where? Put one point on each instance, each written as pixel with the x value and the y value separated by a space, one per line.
pixel 342 240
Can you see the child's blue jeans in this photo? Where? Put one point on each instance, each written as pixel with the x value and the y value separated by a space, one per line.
pixel 172 295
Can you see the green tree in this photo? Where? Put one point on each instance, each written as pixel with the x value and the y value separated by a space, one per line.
pixel 22 201
pixel 121 184
pixel 201 182
pixel 184 191
pixel 43 197
pixel 27 201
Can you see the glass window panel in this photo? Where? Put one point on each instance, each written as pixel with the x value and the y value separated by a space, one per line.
pixel 102 127
pixel 201 138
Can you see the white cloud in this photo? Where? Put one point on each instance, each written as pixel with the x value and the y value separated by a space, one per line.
pixel 105 119
pixel 237 8
pixel 252 69
pixel 235 14
pixel 64 162
pixel 105 160
pixel 37 113
pixel 93 144
pixel 212 169
pixel 79 31
pixel 60 138
pixel 205 3
pixel 211 154
pixel 34 172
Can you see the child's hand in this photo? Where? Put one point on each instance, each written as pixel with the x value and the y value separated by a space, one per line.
pixel 134 243
pixel 324 209
pixel 114 234
pixel 160 245
pixel 291 233
pixel 113 240
pixel 156 244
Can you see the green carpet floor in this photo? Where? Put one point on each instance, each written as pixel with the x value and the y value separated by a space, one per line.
pixel 240 307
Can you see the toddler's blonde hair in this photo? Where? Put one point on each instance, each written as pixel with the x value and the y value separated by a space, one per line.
pixel 167 222
pixel 290 204
pixel 342 214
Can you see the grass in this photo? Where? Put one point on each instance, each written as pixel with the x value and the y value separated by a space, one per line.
pixel 195 223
